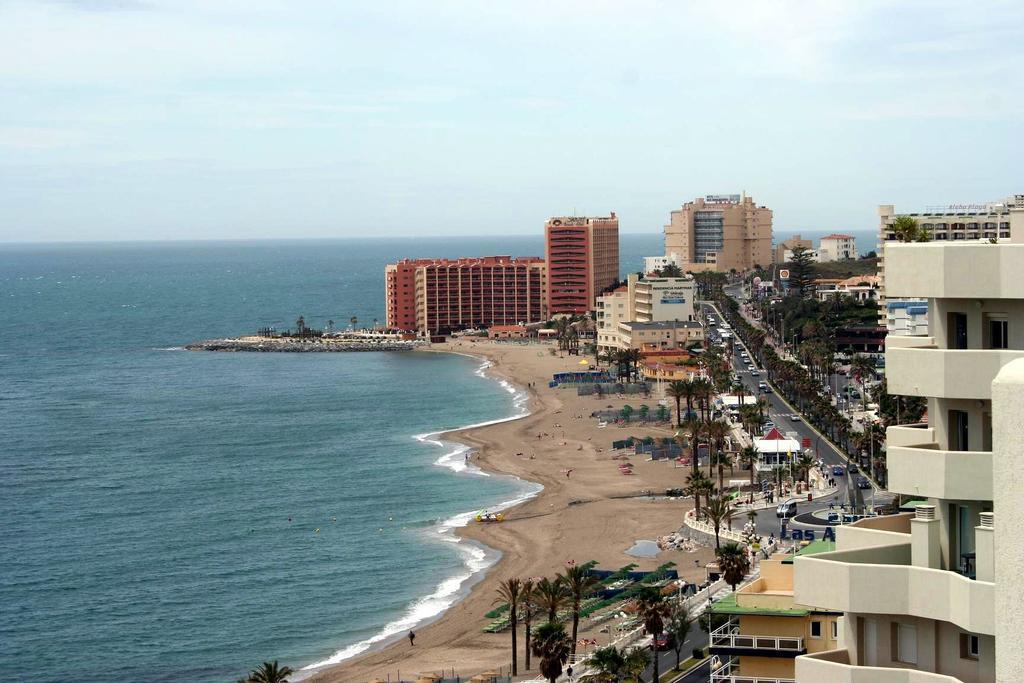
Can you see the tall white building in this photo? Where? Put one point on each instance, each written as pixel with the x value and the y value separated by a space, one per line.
pixel 643 300
pixel 934 595
pixel 837 247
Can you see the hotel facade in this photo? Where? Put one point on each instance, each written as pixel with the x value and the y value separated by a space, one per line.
pixel 582 255
pixel 433 296
pixel 622 313
pixel 933 596
pixel 720 232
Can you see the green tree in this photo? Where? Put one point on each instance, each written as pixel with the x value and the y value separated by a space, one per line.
pixel 510 591
pixel 749 456
pixel 270 672
pixel 552 597
pixel 654 611
pixel 528 608
pixel 580 583
pixel 671 270
pixel 697 485
pixel 551 646
pixel 719 511
pixel 609 663
pixel 679 626
pixel 637 661
pixel 908 230
pixel 680 390
pixel 734 563
pixel 801 271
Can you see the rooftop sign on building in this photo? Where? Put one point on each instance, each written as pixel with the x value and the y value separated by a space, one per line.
pixel 722 199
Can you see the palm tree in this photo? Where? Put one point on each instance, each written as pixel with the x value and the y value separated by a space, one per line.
pixel 579 582
pixel 749 456
pixel 609 663
pixel 698 485
pixel 510 592
pixel 906 229
pixel 862 368
pixel 528 607
pixel 551 646
pixel 719 510
pixel 734 563
pixel 270 672
pixel 654 611
pixel 551 596
pixel 637 661
pixel 693 429
pixel 803 466
pixel 723 459
pixel 716 431
pixel 679 390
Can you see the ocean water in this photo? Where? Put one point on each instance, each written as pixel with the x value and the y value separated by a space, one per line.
pixel 169 515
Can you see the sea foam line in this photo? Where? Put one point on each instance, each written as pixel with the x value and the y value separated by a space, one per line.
pixel 476 557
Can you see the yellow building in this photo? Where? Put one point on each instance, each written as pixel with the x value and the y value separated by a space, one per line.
pixel 766 629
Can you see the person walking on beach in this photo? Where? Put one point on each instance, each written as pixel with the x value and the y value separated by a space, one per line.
pixel 412 638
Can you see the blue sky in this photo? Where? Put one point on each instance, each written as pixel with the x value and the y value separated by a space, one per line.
pixel 191 119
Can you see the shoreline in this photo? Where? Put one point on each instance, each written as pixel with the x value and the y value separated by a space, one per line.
pixel 448 529
pixel 595 515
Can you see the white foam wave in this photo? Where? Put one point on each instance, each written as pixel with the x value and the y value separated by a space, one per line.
pixel 475 557
pixel 170 348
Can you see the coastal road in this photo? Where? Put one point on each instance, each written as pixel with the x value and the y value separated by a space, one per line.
pixel 789 421
pixel 667 658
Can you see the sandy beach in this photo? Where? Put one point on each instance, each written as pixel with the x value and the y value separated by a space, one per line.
pixel 587 511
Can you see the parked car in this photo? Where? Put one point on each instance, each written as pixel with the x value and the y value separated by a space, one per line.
pixel 666 641
pixel 852 468
pixel 786 510
pixel 838 471
pixel 863 483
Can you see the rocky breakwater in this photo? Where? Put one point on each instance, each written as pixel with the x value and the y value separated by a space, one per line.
pixel 307 345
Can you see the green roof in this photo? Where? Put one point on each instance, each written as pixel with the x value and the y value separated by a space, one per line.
pixel 812 548
pixel 727 605
pixel 910 505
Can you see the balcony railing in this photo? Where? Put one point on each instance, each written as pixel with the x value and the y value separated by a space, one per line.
pixel 834 666
pixel 729 672
pixel 728 636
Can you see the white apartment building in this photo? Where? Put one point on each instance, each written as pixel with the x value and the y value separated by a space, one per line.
pixel 643 300
pixel 837 247
pixel 933 596
pixel 907 317
pixel 654 264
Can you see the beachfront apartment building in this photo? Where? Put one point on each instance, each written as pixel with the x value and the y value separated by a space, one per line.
pixel 765 629
pixel 933 596
pixel 998 220
pixel 837 247
pixel 642 300
pixel 582 254
pixel 721 233
pixel 653 264
pixel 432 296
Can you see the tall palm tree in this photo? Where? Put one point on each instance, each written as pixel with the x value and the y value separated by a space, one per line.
pixel 654 611
pixel 716 431
pixel 692 428
pixel 679 390
pixel 510 592
pixel 734 563
pixel 697 485
pixel 719 511
pixel 862 368
pixel 527 609
pixel 723 459
pixel 579 582
pixel 551 597
pixel 804 463
pixel 270 672
pixel 551 647
pixel 637 661
pixel 749 456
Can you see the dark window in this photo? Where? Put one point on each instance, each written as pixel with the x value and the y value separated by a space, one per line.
pixel 998 334
pixel 957 331
pixel 958 430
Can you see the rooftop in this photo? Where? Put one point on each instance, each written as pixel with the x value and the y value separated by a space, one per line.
pixel 727 605
pixel 812 548
pixel 838 236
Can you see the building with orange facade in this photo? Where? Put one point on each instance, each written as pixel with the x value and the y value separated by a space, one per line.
pixel 583 260
pixel 443 295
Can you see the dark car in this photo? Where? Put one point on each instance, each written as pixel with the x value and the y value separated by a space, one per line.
pixel 838 471
pixel 852 469
pixel 863 483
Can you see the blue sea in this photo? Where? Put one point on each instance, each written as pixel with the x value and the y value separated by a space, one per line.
pixel 169 515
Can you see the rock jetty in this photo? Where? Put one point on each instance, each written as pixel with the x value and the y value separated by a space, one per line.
pixel 308 344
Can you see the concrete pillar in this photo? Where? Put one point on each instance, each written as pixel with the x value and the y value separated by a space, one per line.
pixel 984 547
pixel 924 538
pixel 1008 546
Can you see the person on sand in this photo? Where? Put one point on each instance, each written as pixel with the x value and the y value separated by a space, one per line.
pixel 412 638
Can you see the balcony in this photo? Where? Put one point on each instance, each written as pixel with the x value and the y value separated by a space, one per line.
pixel 880 580
pixel 953 271
pixel 727 640
pixel 834 666
pixel 915 366
pixel 923 469
pixel 730 672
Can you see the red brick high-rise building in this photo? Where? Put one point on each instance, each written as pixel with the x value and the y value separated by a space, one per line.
pixel 583 260
pixel 442 295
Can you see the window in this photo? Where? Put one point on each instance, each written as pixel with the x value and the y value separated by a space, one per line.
pixel 835 630
pixel 815 629
pixel 957 331
pixel 968 646
pixel 905 636
pixel 958 440
pixel 998 332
